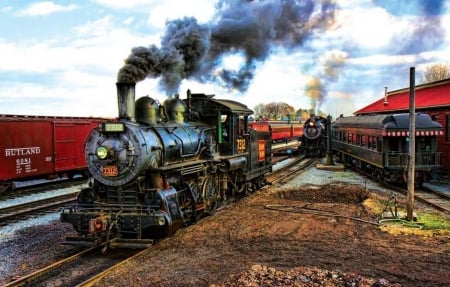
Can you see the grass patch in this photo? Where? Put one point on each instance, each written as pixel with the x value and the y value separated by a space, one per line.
pixel 433 221
pixel 428 223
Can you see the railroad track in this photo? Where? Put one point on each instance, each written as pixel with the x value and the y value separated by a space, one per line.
pixel 40 188
pixel 24 210
pixel 435 199
pixel 295 166
pixel 80 269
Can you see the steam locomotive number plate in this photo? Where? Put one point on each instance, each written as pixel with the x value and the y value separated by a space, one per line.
pixel 110 170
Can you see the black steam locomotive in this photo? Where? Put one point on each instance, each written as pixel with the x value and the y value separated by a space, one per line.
pixel 314 139
pixel 379 144
pixel 160 167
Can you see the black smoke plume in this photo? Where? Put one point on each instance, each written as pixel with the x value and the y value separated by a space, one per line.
pixel 190 50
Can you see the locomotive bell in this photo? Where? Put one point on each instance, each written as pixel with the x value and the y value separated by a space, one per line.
pixel 147 110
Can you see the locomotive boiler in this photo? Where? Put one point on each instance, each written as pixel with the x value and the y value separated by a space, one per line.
pixel 160 167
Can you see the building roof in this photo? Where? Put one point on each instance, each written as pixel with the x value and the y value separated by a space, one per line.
pixel 431 95
pixel 387 122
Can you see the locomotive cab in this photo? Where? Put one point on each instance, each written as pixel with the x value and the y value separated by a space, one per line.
pixel 232 131
pixel 230 119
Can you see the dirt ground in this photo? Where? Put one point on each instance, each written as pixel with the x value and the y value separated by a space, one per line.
pixel 309 236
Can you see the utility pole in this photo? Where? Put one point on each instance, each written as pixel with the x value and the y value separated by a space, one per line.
pixel 329 156
pixel 412 146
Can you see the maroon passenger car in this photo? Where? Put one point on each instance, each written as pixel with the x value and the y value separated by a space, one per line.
pixel 282 131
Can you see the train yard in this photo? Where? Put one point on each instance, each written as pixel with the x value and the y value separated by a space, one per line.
pixel 247 237
pixel 193 178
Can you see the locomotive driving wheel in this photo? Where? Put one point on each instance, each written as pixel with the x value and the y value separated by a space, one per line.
pixel 210 195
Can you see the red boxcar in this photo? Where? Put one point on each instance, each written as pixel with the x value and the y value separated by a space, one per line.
pixel 282 131
pixel 42 147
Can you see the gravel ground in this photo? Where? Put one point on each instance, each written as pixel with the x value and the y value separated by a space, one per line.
pixel 31 244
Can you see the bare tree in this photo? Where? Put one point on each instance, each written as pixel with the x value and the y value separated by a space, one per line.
pixel 259 111
pixel 278 110
pixel 436 72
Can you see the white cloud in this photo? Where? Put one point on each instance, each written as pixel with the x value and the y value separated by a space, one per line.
pixel 45 8
pixel 366 27
pixel 176 9
pixel 338 103
pixel 6 9
pixel 96 97
pixel 129 4
pixel 83 70
pixel 383 60
pixel 97 43
pixel 161 11
pixel 128 21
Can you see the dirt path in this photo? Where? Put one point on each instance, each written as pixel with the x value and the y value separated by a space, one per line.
pixel 247 241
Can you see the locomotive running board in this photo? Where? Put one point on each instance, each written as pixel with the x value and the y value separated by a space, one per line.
pixel 82 241
pixel 130 243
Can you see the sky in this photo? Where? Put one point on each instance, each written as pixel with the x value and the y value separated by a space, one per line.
pixel 63 58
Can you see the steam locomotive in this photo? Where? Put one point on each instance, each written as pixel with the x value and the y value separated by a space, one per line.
pixel 314 139
pixel 379 145
pixel 160 167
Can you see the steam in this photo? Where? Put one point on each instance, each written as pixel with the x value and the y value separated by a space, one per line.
pixel 252 29
pixel 316 87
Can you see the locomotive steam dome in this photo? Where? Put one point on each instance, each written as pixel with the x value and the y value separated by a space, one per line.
pixel 147 110
pixel 176 109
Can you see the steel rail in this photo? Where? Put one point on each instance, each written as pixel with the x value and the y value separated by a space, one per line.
pixel 7 213
pixel 28 280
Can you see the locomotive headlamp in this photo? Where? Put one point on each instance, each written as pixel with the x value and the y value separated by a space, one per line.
pixel 101 152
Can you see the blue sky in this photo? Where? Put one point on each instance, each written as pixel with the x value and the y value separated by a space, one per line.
pixel 64 57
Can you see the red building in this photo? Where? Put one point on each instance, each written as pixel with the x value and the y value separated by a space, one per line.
pixel 432 98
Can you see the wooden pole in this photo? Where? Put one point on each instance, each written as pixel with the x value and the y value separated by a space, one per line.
pixel 329 157
pixel 412 146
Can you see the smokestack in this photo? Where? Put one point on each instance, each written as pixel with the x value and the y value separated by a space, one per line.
pixel 385 96
pixel 125 99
